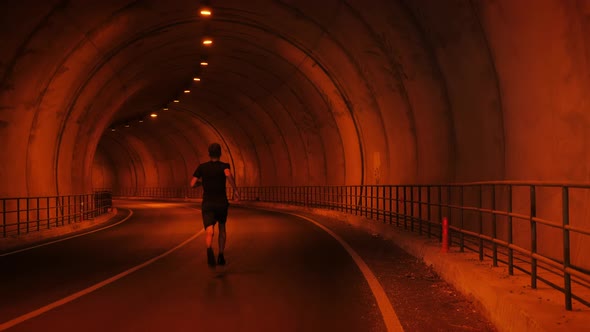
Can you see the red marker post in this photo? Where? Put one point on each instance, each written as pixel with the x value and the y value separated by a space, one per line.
pixel 445 235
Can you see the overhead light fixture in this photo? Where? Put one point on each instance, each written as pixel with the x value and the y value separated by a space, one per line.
pixel 196 79
pixel 165 108
pixel 127 125
pixel 176 101
pixel 204 60
pixel 154 115
pixel 187 91
pixel 207 41
pixel 206 12
pixel 113 129
pixel 141 121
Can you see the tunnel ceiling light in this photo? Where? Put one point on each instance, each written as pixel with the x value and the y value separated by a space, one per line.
pixel 207 41
pixel 113 129
pixel 187 91
pixel 127 125
pixel 165 108
pixel 141 121
pixel 196 79
pixel 206 12
pixel 154 115
pixel 176 101
pixel 204 63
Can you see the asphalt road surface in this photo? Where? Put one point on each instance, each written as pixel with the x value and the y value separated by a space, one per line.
pixel 147 272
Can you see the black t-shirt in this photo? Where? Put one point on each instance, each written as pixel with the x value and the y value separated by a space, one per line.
pixel 212 174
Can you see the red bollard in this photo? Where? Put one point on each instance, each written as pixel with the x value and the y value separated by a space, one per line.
pixel 445 235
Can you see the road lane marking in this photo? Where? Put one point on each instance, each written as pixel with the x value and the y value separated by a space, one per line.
pixel 69 237
pixel 390 318
pixel 65 300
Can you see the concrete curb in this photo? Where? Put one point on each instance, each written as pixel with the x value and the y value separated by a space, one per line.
pixel 508 301
pixel 44 235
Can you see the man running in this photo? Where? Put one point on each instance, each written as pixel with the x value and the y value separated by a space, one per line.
pixel 212 175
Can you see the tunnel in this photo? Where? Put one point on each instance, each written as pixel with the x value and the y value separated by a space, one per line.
pixel 349 92
pixel 127 95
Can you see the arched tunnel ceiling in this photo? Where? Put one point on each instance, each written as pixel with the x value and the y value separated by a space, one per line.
pixel 298 92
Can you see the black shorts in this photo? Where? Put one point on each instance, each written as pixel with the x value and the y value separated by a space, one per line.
pixel 213 214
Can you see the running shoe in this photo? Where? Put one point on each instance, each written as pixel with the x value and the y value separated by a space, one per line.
pixel 220 259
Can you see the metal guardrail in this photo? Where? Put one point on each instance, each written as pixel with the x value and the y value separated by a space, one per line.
pixel 23 215
pixel 157 192
pixel 508 222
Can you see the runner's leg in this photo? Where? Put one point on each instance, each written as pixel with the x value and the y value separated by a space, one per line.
pixel 222 237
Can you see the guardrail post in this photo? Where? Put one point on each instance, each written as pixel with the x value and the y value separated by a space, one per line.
pixel 405 208
pixel 28 217
pixel 440 206
pixel 412 208
pixel 445 235
pixel 3 218
pixel 47 207
pixel 461 220
pixel 378 205
pixel 18 216
pixel 494 229
pixel 428 212
pixel 38 215
pixel 567 279
pixel 449 212
pixel 533 237
pixel 510 250
pixel 480 206
pixel 366 193
pixel 397 206
pixel 390 204
pixel 420 210
pixel 69 209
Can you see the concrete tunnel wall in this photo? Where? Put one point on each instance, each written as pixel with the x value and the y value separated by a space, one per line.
pixel 346 92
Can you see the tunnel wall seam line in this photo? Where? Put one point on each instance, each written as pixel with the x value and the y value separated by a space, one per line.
pixel 484 36
pixel 443 85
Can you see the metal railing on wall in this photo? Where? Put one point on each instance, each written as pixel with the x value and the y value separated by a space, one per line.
pixel 540 229
pixel 157 192
pixel 23 215
pixel 530 227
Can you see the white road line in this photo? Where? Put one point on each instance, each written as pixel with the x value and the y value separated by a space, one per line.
pixel 390 318
pixel 65 300
pixel 68 238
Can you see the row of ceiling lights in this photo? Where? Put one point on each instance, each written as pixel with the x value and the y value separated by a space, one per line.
pixel 205 12
pixel 207 41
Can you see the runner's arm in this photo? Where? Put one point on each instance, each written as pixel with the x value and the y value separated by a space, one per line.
pixel 195 182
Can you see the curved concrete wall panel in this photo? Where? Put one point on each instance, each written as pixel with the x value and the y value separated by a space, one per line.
pixel 297 93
